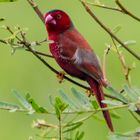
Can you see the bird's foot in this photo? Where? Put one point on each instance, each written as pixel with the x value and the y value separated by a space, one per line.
pixel 60 76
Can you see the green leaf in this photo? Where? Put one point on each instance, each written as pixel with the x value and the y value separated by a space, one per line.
pixel 82 98
pixel 42 110
pixel 68 100
pixel 132 107
pixel 51 100
pixel 9 106
pixel 114 114
pixel 95 104
pixel 116 94
pixel 23 101
pixel 137 92
pixel 35 106
pixel 60 106
pixel 122 137
pixel 57 111
pixel 132 135
pixel 117 29
pixel 113 103
pixel 73 126
pixel 98 118
pixel 131 94
pixel 128 43
pixel 79 135
pixel 8 0
pixel 68 139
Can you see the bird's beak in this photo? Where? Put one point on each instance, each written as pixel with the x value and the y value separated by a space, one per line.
pixel 50 19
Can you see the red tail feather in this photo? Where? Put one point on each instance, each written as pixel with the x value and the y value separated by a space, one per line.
pixel 97 89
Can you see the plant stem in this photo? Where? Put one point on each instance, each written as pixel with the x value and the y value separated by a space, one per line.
pixel 125 11
pixel 36 9
pixel 126 69
pixel 121 9
pixel 134 116
pixel 104 7
pixel 60 127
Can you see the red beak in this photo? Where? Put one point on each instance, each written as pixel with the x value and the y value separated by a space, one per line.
pixel 50 19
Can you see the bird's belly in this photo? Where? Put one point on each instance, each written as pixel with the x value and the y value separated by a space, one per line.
pixel 65 64
pixel 70 68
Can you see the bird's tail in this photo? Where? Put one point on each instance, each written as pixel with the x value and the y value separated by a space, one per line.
pixel 97 89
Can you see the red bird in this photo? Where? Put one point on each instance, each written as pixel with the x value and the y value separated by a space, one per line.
pixel 74 55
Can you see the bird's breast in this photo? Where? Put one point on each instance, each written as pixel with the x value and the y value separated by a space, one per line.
pixel 55 49
pixel 64 61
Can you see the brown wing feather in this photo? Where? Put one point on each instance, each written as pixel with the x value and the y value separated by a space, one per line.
pixel 80 53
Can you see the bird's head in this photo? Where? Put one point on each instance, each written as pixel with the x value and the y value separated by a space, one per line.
pixel 57 21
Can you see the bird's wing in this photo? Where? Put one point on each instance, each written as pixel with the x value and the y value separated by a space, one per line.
pixel 79 52
pixel 88 63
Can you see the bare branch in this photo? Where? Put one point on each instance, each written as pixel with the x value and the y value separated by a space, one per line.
pixel 41 53
pixel 126 69
pixel 105 7
pixel 36 9
pixel 125 11
pixel 108 30
pixel 121 9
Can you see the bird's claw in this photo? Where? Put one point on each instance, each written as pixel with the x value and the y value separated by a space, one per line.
pixel 60 76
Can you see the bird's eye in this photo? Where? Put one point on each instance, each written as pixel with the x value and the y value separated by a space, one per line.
pixel 58 16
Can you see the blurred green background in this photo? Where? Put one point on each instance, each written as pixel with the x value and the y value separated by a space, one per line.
pixel 22 71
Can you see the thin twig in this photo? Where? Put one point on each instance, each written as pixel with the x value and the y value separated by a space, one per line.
pixel 81 120
pixel 60 127
pixel 9 29
pixel 36 9
pixel 38 52
pixel 134 116
pixel 39 124
pixel 125 11
pixel 108 30
pixel 96 111
pixel 121 9
pixel 41 53
pixel 126 69
pixel 83 111
pixel 16 109
pixel 104 7
pixel 3 41
pixel 104 109
pixel 104 64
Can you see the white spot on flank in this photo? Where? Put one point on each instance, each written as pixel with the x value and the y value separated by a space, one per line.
pixel 76 57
